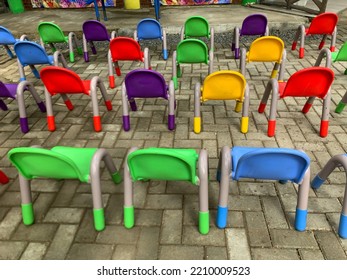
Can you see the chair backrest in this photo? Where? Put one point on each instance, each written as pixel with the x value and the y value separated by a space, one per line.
pixel 125 48
pixel 149 28
pixel 342 53
pixel 272 164
pixel 30 53
pixel 312 81
pixel 94 30
pixel 324 23
pixel 6 37
pixel 163 164
pixel 50 32
pixel 192 51
pixel 196 26
pixel 254 24
pixel 41 163
pixel 266 49
pixel 144 83
pixel 61 80
pixel 224 85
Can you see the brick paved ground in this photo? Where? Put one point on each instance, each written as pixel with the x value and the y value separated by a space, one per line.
pixel 261 214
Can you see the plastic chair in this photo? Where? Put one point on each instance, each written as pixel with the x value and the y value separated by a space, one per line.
pixel 124 48
pixel 149 29
pixel 340 55
pixel 94 31
pixel 265 164
pixel 265 49
pixel 3 178
pixel 336 161
pixel 51 33
pixel 252 25
pixel 223 85
pixel 197 27
pixel 190 51
pixel 7 39
pixel 62 163
pixel 58 80
pixel 16 91
pixel 143 83
pixel 170 165
pixel 31 54
pixel 323 24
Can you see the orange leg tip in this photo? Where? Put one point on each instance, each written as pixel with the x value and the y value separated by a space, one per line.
pixel 271 128
pixel 301 53
pixel 294 46
pixel 108 105
pixel 321 45
pixel 332 49
pixel 111 82
pixel 118 72
pixel 69 105
pixel 51 123
pixel 97 123
pixel 306 108
pixel 324 127
pixel 261 108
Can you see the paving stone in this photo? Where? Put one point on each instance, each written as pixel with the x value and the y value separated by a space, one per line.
pixel 216 253
pixel 274 254
pixel 273 212
pixel 192 236
pixel 148 244
pixel 64 215
pixel 171 232
pixel 237 244
pixel 283 238
pixel 86 232
pixel 11 250
pixel 266 189
pixel 330 246
pixel 10 223
pixel 35 232
pixel 181 252
pixel 157 201
pixel 34 251
pixel 124 252
pixel 307 254
pixel 118 235
pixel 257 229
pixel 85 251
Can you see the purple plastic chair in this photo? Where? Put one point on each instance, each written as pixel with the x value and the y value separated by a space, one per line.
pixel 94 30
pixel 144 83
pixel 16 91
pixel 255 24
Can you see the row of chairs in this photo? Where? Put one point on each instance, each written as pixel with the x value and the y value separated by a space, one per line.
pixel 281 164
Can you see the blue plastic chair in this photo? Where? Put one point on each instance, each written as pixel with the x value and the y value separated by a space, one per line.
pixel 150 29
pixel 7 39
pixel 96 8
pixel 267 164
pixel 30 54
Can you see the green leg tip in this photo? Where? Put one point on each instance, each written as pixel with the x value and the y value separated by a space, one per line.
pixel 345 72
pixel 28 214
pixel 54 49
pixel 116 177
pixel 204 222
pixel 72 57
pixel 79 51
pixel 129 217
pixel 175 82
pixel 340 107
pixel 179 71
pixel 99 219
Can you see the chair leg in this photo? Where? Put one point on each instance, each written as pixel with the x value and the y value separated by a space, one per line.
pixel 26 201
pixel 165 52
pixel 296 37
pixel 322 42
pixel 71 52
pixel 197 113
pixel 342 103
pixel 333 40
pixel 245 109
pixel 125 109
pixel 92 46
pixel 265 97
pixel 171 117
pixel 273 109
pixel 302 42
pixel 85 49
pixel 104 9
pixel 117 68
pixel 204 216
pixel 3 106
pixel 3 178
pixel 324 126
pixel 236 43
pixel 21 71
pixel 50 114
pixel 301 208
pixel 9 52
pixel 174 69
pixel 111 79
pixel 96 115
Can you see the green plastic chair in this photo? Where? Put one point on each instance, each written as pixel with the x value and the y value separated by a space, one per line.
pixel 340 55
pixel 62 163
pixel 197 27
pixel 190 51
pixel 170 165
pixel 51 33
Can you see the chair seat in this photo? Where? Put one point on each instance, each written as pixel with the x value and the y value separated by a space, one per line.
pixel 10 92
pixel 86 84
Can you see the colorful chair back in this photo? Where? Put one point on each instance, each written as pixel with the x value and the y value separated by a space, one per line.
pixel 30 53
pixel 254 24
pixel 149 28
pixel 124 48
pixel 94 30
pixel 196 26
pixel 324 23
pixel 6 37
pixel 192 51
pixel 51 33
pixel 266 49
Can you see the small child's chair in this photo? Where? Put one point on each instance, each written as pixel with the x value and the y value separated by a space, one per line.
pixel 340 55
pixel 16 91
pixel 31 54
pixel 7 39
pixel 124 48
pixel 323 24
pixel 252 25
pixel 223 85
pixel 143 83
pixel 150 29
pixel 62 163
pixel 265 49
pixel 58 80
pixel 171 165
pixel 197 27
pixel 3 178
pixel 94 31
pixel 51 33
pixel 265 164
pixel 190 51
pixel 96 8
pixel 337 161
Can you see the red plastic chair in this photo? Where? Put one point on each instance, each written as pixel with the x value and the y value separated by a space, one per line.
pixel 124 48
pixel 3 178
pixel 311 82
pixel 58 80
pixel 323 24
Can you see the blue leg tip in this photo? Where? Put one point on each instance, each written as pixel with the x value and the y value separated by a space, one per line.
pixel 165 54
pixel 343 226
pixel 317 182
pixel 222 216
pixel 300 219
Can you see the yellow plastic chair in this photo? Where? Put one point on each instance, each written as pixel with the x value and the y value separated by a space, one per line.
pixel 223 85
pixel 265 49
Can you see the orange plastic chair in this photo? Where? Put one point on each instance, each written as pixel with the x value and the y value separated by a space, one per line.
pixel 58 80
pixel 323 24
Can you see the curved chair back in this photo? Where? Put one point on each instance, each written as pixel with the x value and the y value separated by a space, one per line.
pixel 30 53
pixel 254 24
pixel 196 26
pixel 163 164
pixel 269 163
pixel 61 80
pixel 148 28
pixel 312 81
pixel 323 24
pixel 8 90
pixel 94 30
pixel 50 32
pixel 192 51
pixel 266 49
pixel 224 85
pixel 125 48
pixel 6 37
pixel 341 55
pixel 143 83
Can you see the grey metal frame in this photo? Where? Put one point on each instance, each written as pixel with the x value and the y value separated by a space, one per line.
pixel 163 38
pixel 91 43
